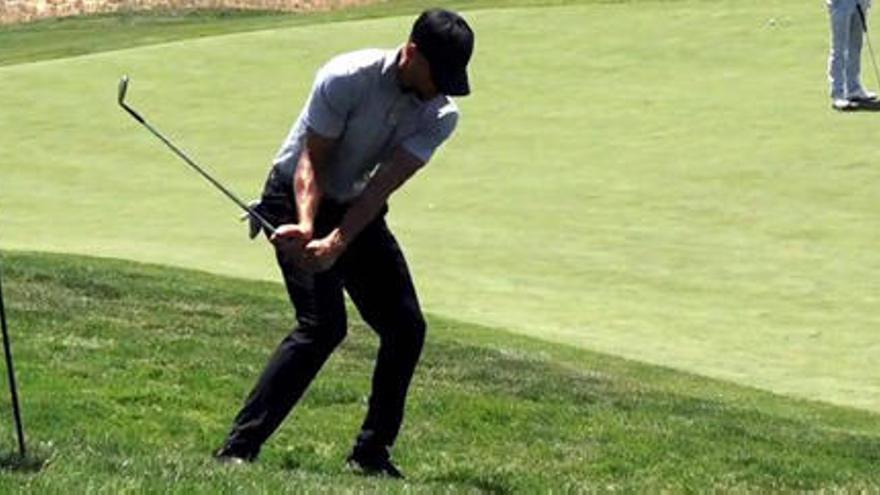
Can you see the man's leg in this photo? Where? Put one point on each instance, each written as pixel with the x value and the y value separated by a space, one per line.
pixel 854 56
pixel 321 326
pixel 320 311
pixel 840 25
pixel 377 278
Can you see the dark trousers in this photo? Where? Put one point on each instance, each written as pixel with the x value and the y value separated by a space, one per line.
pixel 374 273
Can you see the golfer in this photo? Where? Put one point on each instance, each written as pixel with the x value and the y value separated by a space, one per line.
pixel 373 119
pixel 844 62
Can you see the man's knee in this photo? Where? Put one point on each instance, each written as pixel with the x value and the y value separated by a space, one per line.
pixel 327 334
pixel 334 334
pixel 420 328
pixel 410 333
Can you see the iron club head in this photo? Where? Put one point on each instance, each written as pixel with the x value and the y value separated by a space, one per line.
pixel 123 88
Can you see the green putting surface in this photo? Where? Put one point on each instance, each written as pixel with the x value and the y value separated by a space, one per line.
pixel 662 181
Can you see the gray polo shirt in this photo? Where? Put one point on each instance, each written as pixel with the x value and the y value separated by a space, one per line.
pixel 357 100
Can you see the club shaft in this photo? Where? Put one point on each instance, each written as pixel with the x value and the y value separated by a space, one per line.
pixel 199 169
pixel 10 370
pixel 864 20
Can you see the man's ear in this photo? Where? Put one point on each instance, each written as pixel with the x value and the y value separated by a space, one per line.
pixel 409 51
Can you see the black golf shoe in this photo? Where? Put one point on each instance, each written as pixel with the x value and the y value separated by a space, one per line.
pixel 863 96
pixel 373 463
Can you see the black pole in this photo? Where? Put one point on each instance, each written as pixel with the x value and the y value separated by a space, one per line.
pixel 16 412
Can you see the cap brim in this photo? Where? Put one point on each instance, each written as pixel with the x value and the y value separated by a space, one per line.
pixel 456 84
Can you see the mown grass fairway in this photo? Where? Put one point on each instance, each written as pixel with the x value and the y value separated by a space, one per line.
pixel 654 180
pixel 131 374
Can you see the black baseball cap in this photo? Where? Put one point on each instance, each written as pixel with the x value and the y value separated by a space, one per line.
pixel 446 41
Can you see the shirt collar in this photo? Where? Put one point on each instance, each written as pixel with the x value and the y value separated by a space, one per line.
pixel 389 66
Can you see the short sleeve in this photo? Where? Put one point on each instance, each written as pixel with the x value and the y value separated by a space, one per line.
pixel 334 96
pixel 423 144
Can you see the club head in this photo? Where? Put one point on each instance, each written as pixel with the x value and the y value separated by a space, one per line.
pixel 123 88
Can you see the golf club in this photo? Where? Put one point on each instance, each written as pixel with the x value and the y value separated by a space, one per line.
pixel 123 89
pixel 10 370
pixel 868 39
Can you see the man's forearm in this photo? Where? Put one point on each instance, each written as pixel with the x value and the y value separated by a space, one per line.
pixel 306 192
pixel 323 253
pixel 361 213
pixel 387 180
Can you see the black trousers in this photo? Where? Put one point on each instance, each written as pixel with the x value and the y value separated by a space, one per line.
pixel 374 273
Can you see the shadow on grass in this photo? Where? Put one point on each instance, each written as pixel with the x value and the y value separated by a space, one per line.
pixel 486 483
pixel 30 463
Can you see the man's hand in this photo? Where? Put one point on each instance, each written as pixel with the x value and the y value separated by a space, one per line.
pixel 320 254
pixel 291 240
pixel 291 232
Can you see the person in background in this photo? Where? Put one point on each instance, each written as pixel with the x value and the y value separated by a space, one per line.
pixel 848 19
